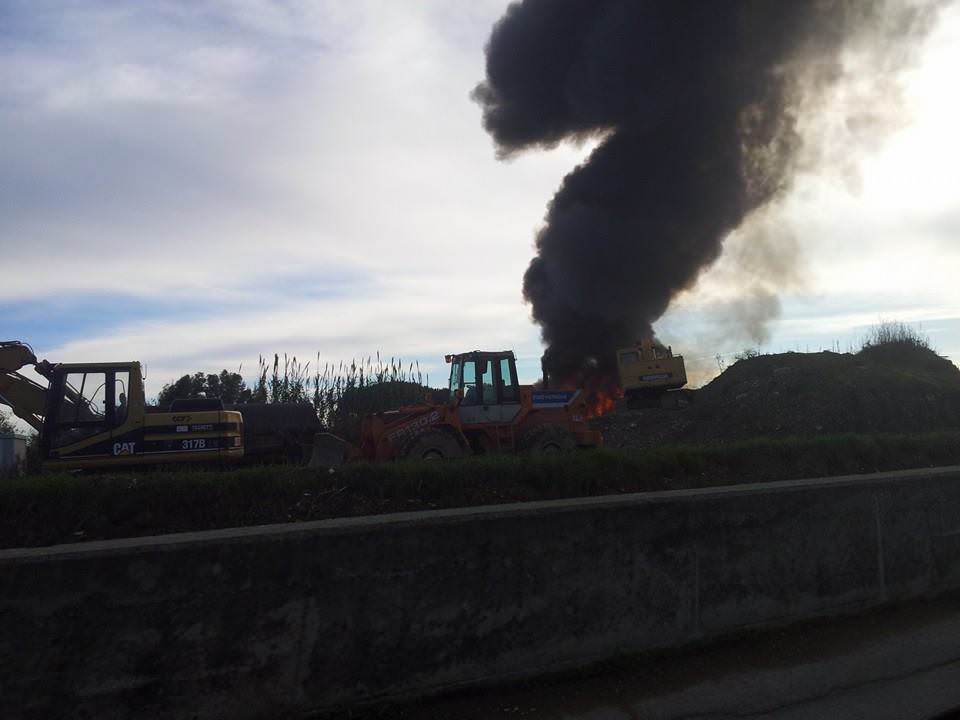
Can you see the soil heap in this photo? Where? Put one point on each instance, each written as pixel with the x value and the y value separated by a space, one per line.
pixel 894 388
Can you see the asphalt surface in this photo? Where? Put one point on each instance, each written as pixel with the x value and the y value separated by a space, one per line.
pixel 896 663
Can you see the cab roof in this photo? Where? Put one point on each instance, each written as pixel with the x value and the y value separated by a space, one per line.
pixel 481 353
pixel 97 366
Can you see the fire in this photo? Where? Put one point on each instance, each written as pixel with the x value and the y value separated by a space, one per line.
pixel 603 401
pixel 601 393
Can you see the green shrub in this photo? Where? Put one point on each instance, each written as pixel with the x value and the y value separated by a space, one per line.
pixel 43 510
pixel 889 333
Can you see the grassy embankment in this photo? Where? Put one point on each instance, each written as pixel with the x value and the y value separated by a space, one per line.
pixel 62 508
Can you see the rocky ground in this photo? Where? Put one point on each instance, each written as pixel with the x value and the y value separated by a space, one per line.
pixel 896 388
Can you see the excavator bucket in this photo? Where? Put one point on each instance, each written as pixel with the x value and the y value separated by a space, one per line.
pixel 329 451
pixel 15 355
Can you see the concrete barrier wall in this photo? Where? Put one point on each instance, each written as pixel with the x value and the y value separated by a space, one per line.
pixel 255 622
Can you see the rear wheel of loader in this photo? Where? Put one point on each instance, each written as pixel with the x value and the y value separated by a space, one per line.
pixel 546 440
pixel 433 445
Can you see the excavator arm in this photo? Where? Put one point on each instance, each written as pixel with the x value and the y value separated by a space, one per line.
pixel 27 398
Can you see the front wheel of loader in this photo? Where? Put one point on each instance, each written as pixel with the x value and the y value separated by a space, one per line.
pixel 546 440
pixel 433 445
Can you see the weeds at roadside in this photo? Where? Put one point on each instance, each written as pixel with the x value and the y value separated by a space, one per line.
pixel 342 393
pixel 44 510
pixel 893 333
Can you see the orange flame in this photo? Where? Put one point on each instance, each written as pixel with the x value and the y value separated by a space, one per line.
pixel 601 397
pixel 603 401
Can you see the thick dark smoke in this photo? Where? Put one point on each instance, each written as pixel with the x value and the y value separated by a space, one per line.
pixel 697 106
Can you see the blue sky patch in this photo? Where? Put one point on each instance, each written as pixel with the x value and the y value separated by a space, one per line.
pixel 53 321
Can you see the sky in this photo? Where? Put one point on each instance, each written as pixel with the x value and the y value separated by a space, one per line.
pixel 193 184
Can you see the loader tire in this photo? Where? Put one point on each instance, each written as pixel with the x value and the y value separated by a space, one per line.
pixel 433 445
pixel 546 440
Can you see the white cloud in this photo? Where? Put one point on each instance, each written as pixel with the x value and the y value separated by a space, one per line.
pixel 373 158
pixel 211 151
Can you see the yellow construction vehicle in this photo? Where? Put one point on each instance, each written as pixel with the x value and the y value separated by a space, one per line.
pixel 95 415
pixel 648 372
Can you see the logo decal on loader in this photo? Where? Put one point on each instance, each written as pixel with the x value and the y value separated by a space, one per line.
pixel 413 427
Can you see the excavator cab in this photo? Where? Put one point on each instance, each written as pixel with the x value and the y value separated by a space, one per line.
pixel 88 406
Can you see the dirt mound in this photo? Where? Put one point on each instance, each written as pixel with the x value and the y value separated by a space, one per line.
pixel 897 388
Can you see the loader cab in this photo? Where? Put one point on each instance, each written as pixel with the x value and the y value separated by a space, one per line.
pixel 88 404
pixel 485 386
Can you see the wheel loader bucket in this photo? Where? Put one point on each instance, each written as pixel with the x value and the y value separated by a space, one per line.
pixel 328 451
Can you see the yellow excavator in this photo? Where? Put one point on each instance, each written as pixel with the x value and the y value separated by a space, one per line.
pixel 94 415
pixel 649 372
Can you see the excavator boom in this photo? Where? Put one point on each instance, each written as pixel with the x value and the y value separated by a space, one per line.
pixel 27 399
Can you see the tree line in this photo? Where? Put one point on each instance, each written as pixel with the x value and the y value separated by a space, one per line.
pixel 340 394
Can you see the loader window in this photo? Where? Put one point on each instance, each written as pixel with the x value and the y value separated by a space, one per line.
pixel 629 357
pixel 471 394
pixel 454 378
pixel 488 382
pixel 508 382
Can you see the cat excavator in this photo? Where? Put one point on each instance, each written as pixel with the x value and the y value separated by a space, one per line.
pixel 94 415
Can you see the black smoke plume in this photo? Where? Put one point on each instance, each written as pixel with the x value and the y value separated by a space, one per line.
pixel 698 107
